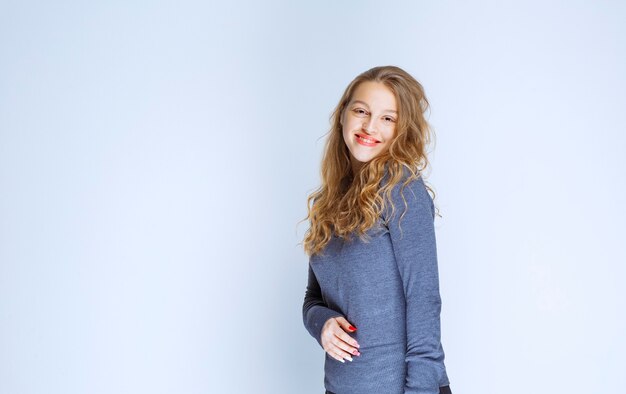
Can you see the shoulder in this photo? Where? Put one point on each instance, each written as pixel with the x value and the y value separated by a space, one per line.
pixel 411 193
pixel 408 184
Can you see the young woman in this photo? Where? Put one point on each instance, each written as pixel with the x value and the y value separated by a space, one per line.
pixel 372 296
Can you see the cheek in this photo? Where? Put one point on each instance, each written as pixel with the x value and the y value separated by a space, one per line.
pixel 350 123
pixel 389 134
pixel 349 127
pixel 346 136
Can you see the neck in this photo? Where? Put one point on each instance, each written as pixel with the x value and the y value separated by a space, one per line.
pixel 356 166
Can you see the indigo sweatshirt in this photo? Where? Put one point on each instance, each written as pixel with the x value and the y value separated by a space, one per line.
pixel 388 288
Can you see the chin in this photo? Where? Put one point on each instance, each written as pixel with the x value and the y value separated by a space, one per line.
pixel 365 160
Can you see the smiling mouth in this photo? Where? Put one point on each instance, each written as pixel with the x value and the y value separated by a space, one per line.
pixel 366 140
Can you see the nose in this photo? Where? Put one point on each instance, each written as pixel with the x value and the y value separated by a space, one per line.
pixel 368 126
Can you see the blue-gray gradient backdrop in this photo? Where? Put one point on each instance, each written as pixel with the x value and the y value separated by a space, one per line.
pixel 155 158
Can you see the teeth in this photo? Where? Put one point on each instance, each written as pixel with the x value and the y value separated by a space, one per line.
pixel 366 140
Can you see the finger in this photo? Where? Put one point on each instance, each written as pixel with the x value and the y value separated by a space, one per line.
pixel 334 355
pixel 342 335
pixel 345 324
pixel 343 349
pixel 339 354
pixel 346 347
pixel 335 339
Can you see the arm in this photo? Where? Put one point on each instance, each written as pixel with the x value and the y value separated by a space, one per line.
pixel 315 312
pixel 413 240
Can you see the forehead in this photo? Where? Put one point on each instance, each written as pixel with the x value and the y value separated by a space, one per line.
pixel 374 94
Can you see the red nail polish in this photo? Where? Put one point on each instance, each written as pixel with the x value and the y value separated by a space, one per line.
pixel 352 328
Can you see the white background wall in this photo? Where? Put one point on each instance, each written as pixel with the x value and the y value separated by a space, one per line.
pixel 155 158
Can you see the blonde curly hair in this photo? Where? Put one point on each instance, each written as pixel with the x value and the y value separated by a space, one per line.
pixel 347 203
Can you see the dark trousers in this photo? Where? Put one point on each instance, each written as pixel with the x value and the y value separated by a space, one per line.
pixel 442 390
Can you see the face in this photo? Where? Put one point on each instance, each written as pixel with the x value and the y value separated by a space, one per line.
pixel 369 122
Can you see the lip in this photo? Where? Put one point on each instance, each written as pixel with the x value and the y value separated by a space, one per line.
pixel 358 140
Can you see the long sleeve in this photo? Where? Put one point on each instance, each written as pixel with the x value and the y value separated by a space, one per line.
pixel 315 312
pixel 414 245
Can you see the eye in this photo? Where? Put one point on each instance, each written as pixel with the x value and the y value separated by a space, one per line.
pixel 390 119
pixel 359 111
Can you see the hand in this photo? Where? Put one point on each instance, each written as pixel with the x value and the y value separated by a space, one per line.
pixel 336 342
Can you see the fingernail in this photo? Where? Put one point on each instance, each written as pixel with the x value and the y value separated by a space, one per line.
pixel 342 360
pixel 353 328
pixel 349 358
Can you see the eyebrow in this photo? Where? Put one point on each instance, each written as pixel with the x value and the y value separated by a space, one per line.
pixel 364 103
